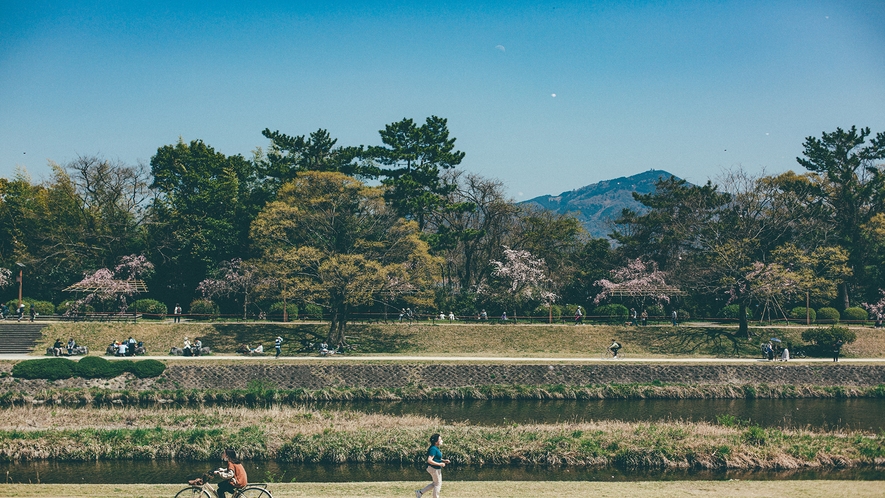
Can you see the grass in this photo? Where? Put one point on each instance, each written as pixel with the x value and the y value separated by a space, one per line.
pixel 298 434
pixel 521 340
pixel 484 489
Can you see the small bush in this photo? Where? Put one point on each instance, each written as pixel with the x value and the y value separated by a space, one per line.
pixel 855 314
pixel 826 336
pixel 311 312
pixel 147 368
pixel 277 309
pixel 683 315
pixel 798 313
pixel 150 306
pixel 613 313
pixel 556 310
pixel 204 307
pixel 828 315
pixel 46 368
pixel 41 307
pixel 96 367
pixel 732 311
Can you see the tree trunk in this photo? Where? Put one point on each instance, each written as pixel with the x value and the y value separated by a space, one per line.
pixel 743 326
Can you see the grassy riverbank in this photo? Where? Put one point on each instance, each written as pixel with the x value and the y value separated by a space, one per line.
pixel 454 339
pixel 485 489
pixel 296 435
pixel 263 396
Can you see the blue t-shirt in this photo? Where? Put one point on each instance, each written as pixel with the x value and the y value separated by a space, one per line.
pixel 434 452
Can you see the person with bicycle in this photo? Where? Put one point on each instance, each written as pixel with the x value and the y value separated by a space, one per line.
pixel 232 473
pixel 614 348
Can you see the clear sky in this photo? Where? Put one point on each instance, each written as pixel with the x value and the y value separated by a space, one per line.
pixel 546 96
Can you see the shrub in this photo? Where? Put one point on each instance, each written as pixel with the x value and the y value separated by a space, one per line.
pixel 826 336
pixel 204 307
pixel 311 312
pixel 277 309
pixel 46 368
pixel 151 306
pixel 556 310
pixel 798 313
pixel 41 307
pixel 731 312
pixel 654 311
pixel 855 314
pixel 96 367
pixel 613 313
pixel 147 368
pixel 828 315
pixel 683 315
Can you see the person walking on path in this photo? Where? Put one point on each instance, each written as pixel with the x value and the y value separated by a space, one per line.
pixel 176 312
pixel 278 345
pixel 579 316
pixel 675 317
pixel 435 463
pixel 837 349
pixel 633 317
pixel 33 313
pixel 644 317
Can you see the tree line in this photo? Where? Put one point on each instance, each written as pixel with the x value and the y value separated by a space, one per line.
pixel 382 227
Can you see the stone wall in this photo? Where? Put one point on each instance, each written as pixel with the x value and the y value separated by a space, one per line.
pixel 393 375
pixel 457 375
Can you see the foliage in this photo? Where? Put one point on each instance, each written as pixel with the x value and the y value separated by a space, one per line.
pixel 519 279
pixel 89 367
pixel 151 306
pixel 144 369
pixel 311 312
pixel 277 309
pixel 205 308
pixel 731 311
pixel 67 306
pixel 234 277
pixel 44 368
pixel 828 315
pixel 799 312
pixel 827 336
pixel 855 314
pixel 639 280
pixel 5 277
pixel 613 313
pixel 329 239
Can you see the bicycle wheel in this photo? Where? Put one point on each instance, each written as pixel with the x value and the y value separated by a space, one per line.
pixel 254 492
pixel 192 492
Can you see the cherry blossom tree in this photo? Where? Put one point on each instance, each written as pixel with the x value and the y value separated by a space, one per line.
pixel 524 277
pixel 104 286
pixel 638 280
pixel 5 277
pixel 233 278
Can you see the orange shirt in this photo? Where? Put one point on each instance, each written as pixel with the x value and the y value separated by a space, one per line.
pixel 239 474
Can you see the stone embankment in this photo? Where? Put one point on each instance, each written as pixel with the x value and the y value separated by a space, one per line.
pixel 312 377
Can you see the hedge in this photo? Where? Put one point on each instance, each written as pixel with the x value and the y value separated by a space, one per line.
pixel 90 367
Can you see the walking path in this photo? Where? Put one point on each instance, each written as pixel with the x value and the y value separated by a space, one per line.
pixel 466 359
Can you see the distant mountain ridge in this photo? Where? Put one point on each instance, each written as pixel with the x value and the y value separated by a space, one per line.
pixel 597 204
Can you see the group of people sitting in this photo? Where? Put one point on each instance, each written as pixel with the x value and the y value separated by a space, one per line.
pixel 195 348
pixel 772 350
pixel 249 350
pixel 69 349
pixel 129 347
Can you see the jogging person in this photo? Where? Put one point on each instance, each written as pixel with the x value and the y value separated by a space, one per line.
pixel 278 345
pixel 435 463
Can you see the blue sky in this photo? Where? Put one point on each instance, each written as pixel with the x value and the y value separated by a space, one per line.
pixel 689 87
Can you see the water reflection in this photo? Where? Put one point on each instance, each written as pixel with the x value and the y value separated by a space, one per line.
pixel 128 472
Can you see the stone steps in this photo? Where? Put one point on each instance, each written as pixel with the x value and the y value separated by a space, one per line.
pixel 19 337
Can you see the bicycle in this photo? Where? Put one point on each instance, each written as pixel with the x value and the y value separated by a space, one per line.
pixel 608 355
pixel 258 490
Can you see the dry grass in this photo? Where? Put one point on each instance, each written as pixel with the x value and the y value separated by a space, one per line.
pixel 298 434
pixel 485 489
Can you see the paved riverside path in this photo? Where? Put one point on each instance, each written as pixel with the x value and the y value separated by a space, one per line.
pixel 458 359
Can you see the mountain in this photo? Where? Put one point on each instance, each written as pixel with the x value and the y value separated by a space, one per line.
pixel 597 204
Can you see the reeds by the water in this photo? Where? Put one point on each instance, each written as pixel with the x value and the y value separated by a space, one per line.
pixel 293 434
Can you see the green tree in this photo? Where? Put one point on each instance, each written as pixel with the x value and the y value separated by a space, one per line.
pixel 413 157
pixel 328 239
pixel 849 180
pixel 289 155
pixel 204 206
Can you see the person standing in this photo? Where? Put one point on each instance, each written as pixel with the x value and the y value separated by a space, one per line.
pixel 176 313
pixel 675 317
pixel 644 317
pixel 278 346
pixel 837 349
pixel 633 317
pixel 33 312
pixel 435 464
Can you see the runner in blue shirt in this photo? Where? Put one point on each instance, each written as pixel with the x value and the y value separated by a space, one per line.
pixel 435 463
